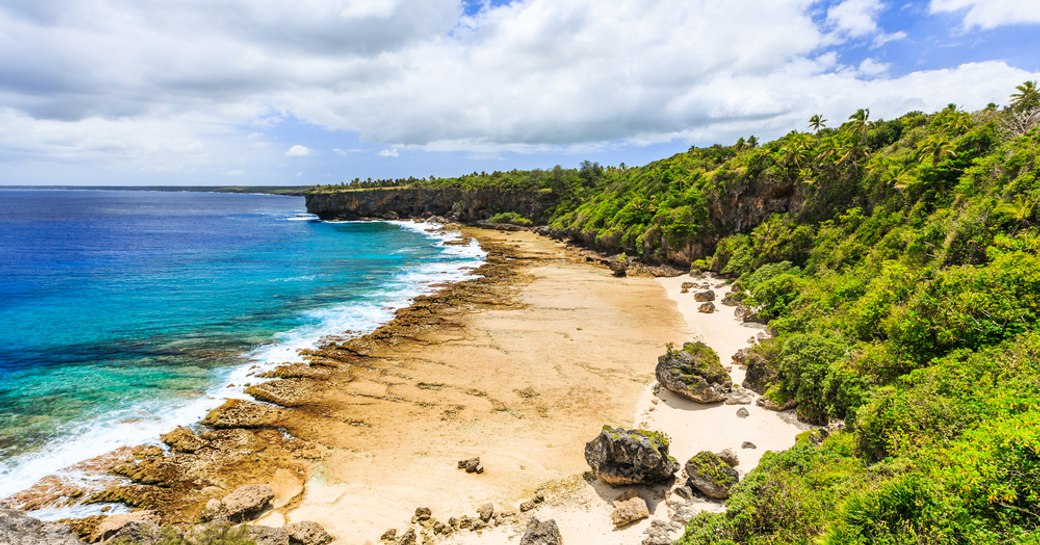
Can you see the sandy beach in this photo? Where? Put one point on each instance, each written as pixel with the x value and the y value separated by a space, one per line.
pixel 520 368
pixel 582 508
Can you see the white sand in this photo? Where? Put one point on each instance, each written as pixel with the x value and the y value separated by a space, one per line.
pixel 582 510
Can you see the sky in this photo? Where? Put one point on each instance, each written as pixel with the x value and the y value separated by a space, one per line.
pixel 257 92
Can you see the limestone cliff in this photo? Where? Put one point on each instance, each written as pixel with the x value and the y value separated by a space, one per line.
pixel 735 206
pixel 420 202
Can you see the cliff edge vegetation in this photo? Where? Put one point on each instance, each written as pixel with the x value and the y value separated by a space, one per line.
pixel 898 262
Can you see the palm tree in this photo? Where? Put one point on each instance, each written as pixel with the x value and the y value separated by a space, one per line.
pixel 937 149
pixel 1027 97
pixel 859 119
pixel 817 122
pixel 1020 209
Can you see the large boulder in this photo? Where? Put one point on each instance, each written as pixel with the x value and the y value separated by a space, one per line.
pixel 628 508
pixel 704 296
pixel 137 527
pixel 17 528
pixel 760 373
pixel 266 535
pixel 694 373
pixel 618 266
pixel 710 474
pixel 245 503
pixel 308 533
pixel 619 457
pixel 542 532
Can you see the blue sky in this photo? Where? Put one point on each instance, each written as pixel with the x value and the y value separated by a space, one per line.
pixel 316 91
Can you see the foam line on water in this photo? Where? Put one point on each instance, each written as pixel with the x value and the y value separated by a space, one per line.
pixel 143 423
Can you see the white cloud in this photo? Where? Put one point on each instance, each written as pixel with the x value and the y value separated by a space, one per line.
pixel 871 68
pixel 855 18
pixel 298 150
pixel 207 83
pixel 988 14
pixel 887 37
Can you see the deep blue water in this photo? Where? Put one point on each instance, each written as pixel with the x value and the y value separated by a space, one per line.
pixel 125 312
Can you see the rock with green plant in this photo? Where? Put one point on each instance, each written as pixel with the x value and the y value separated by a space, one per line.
pixel 694 372
pixel 622 457
pixel 711 474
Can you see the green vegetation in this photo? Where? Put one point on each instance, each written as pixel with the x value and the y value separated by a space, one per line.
pixel 212 534
pixel 710 465
pixel 659 441
pixel 908 307
pixel 510 217
pixel 698 360
pixel 899 263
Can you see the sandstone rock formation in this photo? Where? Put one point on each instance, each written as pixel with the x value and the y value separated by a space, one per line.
pixel 245 503
pixel 628 508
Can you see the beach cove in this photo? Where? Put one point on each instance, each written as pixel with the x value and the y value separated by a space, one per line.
pixel 519 367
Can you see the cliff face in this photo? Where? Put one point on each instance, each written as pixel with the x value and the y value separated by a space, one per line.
pixel 452 203
pixel 737 206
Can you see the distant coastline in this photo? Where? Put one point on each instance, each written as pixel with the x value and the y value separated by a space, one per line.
pixel 286 190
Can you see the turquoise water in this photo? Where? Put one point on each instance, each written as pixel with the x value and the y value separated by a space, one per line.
pixel 123 313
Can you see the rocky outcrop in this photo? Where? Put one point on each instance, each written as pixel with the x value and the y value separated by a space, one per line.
pixel 182 439
pixel 418 202
pixel 542 532
pixel 745 314
pixel 727 455
pixel 17 528
pixel 711 475
pixel 308 533
pixel 628 508
pixel 245 503
pixel 760 371
pixel 239 413
pixel 619 457
pixel 266 535
pixel 704 296
pixel 472 465
pixel 694 373
pixel 732 298
pixel 706 308
pixel 136 527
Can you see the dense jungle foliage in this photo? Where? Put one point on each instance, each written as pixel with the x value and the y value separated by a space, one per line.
pixel 899 264
pixel 909 311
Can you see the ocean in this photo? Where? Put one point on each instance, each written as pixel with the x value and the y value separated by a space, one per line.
pixel 125 313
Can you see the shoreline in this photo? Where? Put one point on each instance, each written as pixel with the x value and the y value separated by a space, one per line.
pixel 371 428
pixel 63 466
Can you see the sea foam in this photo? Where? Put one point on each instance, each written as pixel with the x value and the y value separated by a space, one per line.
pixel 143 423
